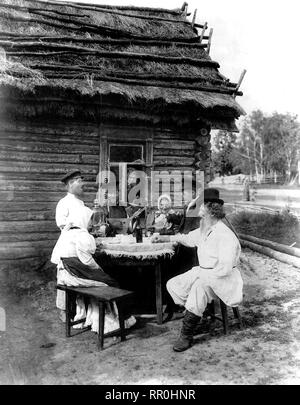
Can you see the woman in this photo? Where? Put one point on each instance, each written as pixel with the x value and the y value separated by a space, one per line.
pixel 76 267
pixel 165 220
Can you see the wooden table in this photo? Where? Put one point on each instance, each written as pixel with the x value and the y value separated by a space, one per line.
pixel 129 259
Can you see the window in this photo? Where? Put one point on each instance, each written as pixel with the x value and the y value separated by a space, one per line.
pixel 126 153
pixel 123 158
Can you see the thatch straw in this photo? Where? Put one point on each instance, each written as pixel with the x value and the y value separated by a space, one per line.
pixel 10 69
pixel 130 52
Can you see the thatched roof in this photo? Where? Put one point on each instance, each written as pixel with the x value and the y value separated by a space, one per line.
pixel 135 55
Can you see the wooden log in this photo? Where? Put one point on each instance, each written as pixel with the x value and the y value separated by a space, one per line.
pixel 92 28
pixel 167 136
pixel 11 144
pixel 59 49
pixel 33 10
pixel 282 257
pixel 38 208
pixel 151 10
pixel 209 40
pixel 203 32
pixel 59 168
pixel 173 152
pixel 37 185
pixel 163 167
pixel 107 8
pixel 49 128
pixel 175 146
pixel 29 237
pixel 240 80
pixel 194 18
pixel 28 226
pixel 15 268
pixel 23 196
pixel 22 250
pixel 204 88
pixel 36 176
pixel 27 207
pixel 184 9
pixel 171 161
pixel 98 9
pixel 16 215
pixel 273 245
pixel 12 36
pixel 47 157
pixel 122 75
pixel 68 144
pixel 200 155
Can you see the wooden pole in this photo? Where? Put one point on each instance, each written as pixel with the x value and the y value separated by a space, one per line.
pixel 209 40
pixel 240 80
pixel 194 18
pixel 184 9
pixel 81 26
pixel 107 8
pixel 282 257
pixel 273 245
pixel 203 32
pixel 175 85
pixel 115 12
pixel 11 36
pixel 62 49
pixel 88 69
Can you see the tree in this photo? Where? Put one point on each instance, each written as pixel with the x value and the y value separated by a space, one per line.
pixel 266 145
pixel 285 130
pixel 223 153
pixel 252 144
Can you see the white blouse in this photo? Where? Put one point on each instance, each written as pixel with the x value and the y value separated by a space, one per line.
pixel 75 243
pixel 71 209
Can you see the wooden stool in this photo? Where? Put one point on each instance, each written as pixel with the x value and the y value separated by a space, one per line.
pixel 211 312
pixel 102 295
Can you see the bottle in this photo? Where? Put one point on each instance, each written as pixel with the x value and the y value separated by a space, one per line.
pixel 98 220
pixel 138 232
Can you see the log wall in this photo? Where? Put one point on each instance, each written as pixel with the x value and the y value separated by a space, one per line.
pixel 34 156
pixel 32 160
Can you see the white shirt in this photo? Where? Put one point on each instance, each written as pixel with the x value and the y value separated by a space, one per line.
pixel 71 209
pixel 75 243
pixel 218 252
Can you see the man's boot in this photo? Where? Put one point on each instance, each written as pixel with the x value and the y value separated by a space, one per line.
pixel 185 340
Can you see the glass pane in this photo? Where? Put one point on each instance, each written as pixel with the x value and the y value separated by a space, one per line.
pixel 126 153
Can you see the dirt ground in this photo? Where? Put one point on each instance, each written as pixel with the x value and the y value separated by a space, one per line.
pixel 34 349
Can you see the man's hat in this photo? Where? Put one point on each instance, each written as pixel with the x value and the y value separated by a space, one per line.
pixel 71 175
pixel 212 195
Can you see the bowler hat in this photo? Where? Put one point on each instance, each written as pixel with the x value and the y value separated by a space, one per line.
pixel 212 195
pixel 70 175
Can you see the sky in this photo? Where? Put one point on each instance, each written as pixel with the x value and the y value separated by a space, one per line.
pixel 260 36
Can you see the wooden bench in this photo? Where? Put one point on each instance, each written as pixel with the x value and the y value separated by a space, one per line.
pixel 102 295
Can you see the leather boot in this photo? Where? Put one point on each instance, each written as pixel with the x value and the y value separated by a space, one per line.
pixel 185 340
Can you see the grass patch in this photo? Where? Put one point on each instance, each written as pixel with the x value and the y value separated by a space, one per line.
pixel 283 227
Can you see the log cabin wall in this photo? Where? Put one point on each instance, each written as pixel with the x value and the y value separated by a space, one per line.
pixel 173 150
pixel 33 158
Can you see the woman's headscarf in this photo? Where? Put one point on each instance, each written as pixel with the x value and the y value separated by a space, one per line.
pixel 163 197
